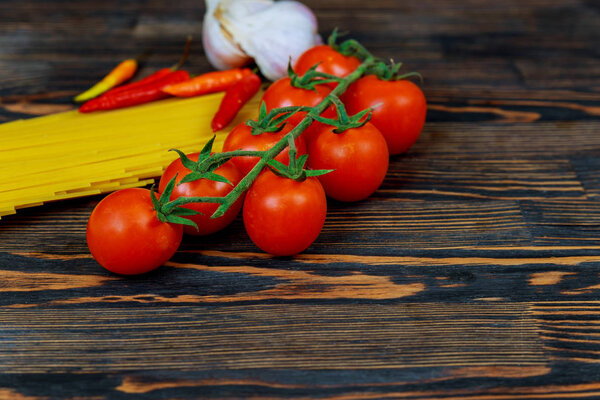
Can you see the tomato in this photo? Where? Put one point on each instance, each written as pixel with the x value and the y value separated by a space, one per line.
pixel 241 138
pixel 330 62
pixel 203 188
pixel 283 94
pixel 399 109
pixel 282 216
pixel 358 156
pixel 125 236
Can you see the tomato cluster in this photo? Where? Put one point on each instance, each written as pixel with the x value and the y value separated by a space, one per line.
pixel 283 214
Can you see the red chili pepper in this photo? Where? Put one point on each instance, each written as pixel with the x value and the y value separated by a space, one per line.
pixel 140 95
pixel 235 98
pixel 156 75
pixel 134 85
pixel 209 82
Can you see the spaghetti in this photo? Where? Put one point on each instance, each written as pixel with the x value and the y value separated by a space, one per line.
pixel 71 154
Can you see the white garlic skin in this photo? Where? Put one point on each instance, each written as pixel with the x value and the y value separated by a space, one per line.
pixel 222 53
pixel 269 32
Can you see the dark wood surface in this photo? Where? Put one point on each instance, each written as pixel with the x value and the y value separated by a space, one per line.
pixel 474 272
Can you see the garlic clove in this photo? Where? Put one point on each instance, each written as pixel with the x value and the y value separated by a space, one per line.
pixel 273 56
pixel 219 46
pixel 275 34
pixel 270 32
pixel 238 10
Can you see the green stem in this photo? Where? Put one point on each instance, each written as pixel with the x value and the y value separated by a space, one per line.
pixel 268 155
pixel 181 201
pixel 236 153
pixel 246 182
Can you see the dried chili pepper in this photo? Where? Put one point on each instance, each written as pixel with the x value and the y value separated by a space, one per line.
pixel 235 98
pixel 139 95
pixel 121 73
pixel 210 82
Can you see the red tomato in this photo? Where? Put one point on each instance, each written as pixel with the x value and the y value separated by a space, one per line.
pixel 241 138
pixel 283 217
pixel 205 188
pixel 125 236
pixel 359 158
pixel 330 62
pixel 399 109
pixel 283 94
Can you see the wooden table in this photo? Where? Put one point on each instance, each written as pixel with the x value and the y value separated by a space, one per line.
pixel 474 272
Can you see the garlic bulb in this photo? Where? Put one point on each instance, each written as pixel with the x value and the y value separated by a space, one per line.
pixel 236 31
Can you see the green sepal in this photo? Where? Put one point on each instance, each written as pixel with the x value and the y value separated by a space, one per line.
pixel 206 150
pixel 301 161
pixel 390 72
pixel 410 75
pixel 185 160
pixel 311 78
pixel 182 211
pixel 326 121
pixel 317 172
pixel 175 215
pixel 174 219
pixel 216 164
pixel 217 178
pixel 257 129
pixel 333 37
pixel 166 194
pixel 281 118
pixel 203 169
pixel 277 167
pixel 352 47
pixel 297 173
pixel 262 111
pixel 272 121
pixel 191 177
pixel 344 121
pixel 194 176
pixel 293 75
pixel 157 206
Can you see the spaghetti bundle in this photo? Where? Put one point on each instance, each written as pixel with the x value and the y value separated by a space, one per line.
pixel 71 154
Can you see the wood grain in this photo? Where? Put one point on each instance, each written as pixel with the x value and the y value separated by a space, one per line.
pixel 278 337
pixel 473 273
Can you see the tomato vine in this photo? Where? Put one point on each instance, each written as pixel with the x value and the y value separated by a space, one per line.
pixel 273 120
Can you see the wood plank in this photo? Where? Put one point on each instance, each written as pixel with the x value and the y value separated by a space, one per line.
pixel 278 336
pixel 472 274
pixel 563 222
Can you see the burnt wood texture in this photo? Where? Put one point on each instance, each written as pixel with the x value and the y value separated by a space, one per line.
pixel 473 273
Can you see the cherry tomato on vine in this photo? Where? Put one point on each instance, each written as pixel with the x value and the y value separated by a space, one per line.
pixel 203 188
pixel 330 62
pixel 358 156
pixel 283 94
pixel 125 235
pixel 241 137
pixel 399 109
pixel 282 216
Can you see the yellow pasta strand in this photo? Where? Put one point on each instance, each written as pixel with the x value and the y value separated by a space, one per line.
pixel 71 155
